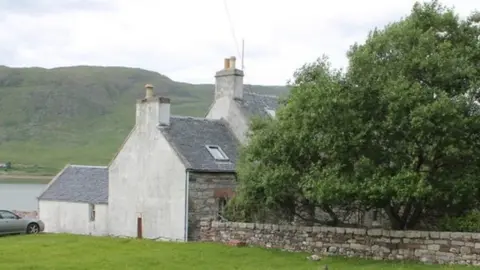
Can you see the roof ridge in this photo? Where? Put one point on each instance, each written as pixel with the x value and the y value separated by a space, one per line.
pixel 194 118
pixel 88 166
pixel 260 95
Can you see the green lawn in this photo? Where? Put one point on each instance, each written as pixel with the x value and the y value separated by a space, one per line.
pixel 68 252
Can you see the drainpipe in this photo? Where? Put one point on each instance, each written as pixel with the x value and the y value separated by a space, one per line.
pixel 187 179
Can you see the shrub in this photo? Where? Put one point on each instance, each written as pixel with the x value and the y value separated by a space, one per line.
pixel 469 222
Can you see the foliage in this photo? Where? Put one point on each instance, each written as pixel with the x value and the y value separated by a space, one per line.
pixel 399 130
pixel 50 117
pixel 73 252
pixel 469 222
pixel 282 156
pixel 420 79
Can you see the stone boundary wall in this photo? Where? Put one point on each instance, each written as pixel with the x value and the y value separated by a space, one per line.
pixel 424 246
pixel 26 214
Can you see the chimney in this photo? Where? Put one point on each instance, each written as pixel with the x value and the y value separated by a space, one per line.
pixel 229 80
pixel 153 110
pixel 148 91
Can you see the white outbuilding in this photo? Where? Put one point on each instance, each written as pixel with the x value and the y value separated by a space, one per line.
pixel 76 201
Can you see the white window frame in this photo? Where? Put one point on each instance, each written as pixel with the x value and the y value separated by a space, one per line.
pixel 91 211
pixel 212 148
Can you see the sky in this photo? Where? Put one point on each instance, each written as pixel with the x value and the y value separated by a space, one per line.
pixel 187 40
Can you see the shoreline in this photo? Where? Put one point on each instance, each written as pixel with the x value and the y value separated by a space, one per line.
pixel 24 179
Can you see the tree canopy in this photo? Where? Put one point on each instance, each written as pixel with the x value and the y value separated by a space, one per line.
pixel 399 130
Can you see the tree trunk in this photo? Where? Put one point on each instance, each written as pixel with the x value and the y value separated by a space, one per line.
pixel 305 213
pixel 408 220
pixel 395 222
pixel 331 213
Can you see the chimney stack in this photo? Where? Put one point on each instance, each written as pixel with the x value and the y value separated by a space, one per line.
pixel 153 110
pixel 148 91
pixel 229 80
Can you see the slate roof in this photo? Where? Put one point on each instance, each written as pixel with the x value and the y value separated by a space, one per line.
pixel 78 183
pixel 254 104
pixel 189 137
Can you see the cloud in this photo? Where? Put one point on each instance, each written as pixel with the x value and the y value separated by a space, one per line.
pixel 188 39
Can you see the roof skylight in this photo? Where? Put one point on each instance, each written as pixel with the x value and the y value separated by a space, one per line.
pixel 270 112
pixel 217 153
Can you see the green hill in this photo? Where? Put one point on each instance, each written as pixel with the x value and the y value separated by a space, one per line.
pixel 50 117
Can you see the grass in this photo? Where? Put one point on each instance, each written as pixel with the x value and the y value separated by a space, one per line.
pixel 5 180
pixel 51 117
pixel 69 252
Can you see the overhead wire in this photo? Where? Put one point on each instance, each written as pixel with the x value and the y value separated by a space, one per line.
pixel 232 28
pixel 234 36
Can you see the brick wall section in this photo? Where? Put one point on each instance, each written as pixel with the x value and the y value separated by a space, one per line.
pixel 427 247
pixel 205 189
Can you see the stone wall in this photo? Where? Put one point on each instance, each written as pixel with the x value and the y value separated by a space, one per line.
pixel 427 247
pixel 205 190
pixel 26 214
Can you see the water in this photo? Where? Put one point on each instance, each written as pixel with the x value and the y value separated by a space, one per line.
pixel 20 196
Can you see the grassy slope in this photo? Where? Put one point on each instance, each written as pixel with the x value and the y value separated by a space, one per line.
pixel 68 252
pixel 50 117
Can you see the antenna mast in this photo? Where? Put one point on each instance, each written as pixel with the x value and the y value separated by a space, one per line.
pixel 243 53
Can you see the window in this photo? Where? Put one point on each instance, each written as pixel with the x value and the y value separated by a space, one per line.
pixel 375 215
pixel 91 210
pixel 217 152
pixel 8 215
pixel 270 112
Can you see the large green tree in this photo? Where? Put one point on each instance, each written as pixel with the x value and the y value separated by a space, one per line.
pixel 283 155
pixel 399 130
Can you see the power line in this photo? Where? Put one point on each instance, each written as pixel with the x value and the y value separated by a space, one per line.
pixel 234 36
pixel 232 28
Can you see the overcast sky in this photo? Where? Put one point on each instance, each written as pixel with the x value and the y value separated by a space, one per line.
pixel 188 39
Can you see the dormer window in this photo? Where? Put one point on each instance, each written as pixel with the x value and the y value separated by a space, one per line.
pixel 270 112
pixel 217 153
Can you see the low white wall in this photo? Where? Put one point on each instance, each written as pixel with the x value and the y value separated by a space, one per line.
pixel 68 217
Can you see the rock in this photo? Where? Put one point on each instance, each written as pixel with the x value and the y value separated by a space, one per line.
pixel 332 249
pixel 426 260
pixel 236 243
pixel 314 257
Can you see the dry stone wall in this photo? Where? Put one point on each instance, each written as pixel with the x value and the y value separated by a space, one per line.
pixel 427 247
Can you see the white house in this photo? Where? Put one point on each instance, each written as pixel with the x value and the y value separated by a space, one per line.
pixel 170 173
pixel 236 105
pixel 75 201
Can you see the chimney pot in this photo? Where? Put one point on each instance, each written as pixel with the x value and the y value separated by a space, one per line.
pixel 148 91
pixel 226 63
pixel 233 59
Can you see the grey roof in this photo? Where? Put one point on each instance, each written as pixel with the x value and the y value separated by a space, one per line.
pixel 78 183
pixel 189 136
pixel 255 104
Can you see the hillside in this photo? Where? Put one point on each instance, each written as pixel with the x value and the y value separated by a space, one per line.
pixel 50 117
